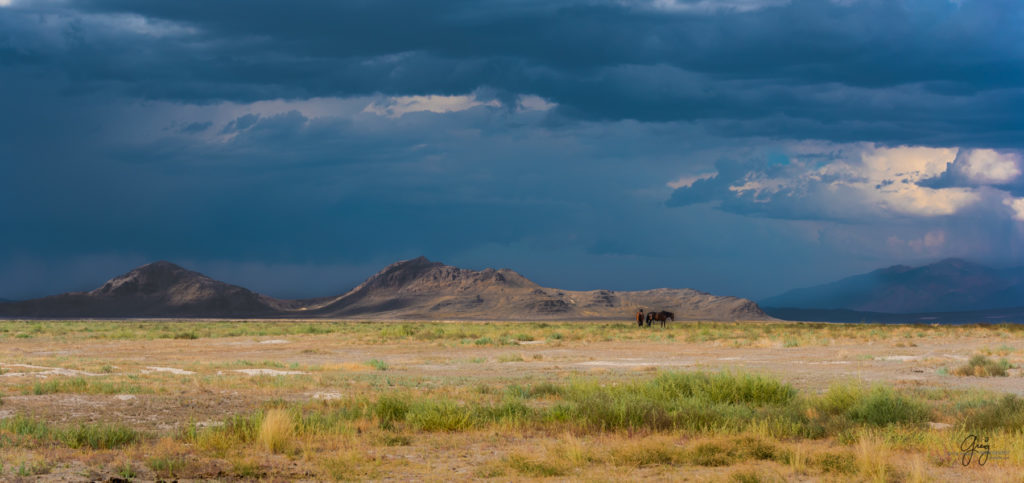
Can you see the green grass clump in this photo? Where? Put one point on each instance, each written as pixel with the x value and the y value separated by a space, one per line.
pixel 439 415
pixel 25 426
pixel 93 436
pixel 398 331
pixel 693 401
pixel 81 385
pixel 883 406
pixel 877 406
pixel 389 409
pixel 530 467
pixel 126 471
pixel 99 436
pixel 745 477
pixel 982 366
pixel 378 364
pixel 167 466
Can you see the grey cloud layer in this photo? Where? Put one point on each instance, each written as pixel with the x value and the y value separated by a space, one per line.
pixel 909 71
pixel 232 133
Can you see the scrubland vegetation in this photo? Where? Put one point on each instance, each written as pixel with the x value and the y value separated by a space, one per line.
pixel 376 419
pixel 788 334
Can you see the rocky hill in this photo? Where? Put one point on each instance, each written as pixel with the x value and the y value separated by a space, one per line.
pixel 410 289
pixel 420 288
pixel 160 289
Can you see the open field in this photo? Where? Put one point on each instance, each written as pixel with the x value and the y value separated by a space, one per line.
pixel 315 400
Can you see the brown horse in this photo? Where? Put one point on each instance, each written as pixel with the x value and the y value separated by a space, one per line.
pixel 662 317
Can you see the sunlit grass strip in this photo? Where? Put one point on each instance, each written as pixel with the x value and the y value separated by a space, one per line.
pixel 82 385
pixel 93 436
pixel 781 334
pixel 697 403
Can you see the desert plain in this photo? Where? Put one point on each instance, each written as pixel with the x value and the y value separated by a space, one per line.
pixel 283 400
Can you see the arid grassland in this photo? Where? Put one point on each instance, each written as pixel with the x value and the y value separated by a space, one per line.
pixel 317 400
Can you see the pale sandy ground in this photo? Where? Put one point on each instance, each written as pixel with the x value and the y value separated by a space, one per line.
pixel 810 368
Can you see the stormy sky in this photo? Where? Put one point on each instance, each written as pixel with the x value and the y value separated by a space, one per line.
pixel 741 147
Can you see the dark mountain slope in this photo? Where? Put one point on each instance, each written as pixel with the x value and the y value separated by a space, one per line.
pixel 950 285
pixel 160 289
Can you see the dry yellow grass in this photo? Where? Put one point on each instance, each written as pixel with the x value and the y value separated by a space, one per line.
pixel 276 431
pixel 872 457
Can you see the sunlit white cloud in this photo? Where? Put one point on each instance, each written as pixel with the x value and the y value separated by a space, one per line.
pixel 988 166
pixel 1016 207
pixel 535 103
pixel 857 181
pixel 398 106
pixel 687 181
pixel 709 6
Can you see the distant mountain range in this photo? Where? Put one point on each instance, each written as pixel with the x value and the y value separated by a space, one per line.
pixel 948 290
pixel 409 289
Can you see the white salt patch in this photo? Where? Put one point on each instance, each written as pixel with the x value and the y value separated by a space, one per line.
pixel 631 363
pixel 274 341
pixel 124 397
pixel 900 358
pixel 172 370
pixel 46 371
pixel 269 372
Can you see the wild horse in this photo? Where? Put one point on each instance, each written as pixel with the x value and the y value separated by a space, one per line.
pixel 662 317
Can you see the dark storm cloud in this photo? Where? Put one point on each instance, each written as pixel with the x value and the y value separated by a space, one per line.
pixel 196 127
pixel 892 71
pixel 234 133
pixel 240 124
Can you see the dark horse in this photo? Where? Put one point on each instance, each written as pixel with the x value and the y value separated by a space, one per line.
pixel 662 317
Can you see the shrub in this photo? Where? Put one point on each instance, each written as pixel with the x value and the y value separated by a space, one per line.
pixel 982 366
pixel 840 398
pixel 882 406
pixel 842 463
pixel 1007 413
